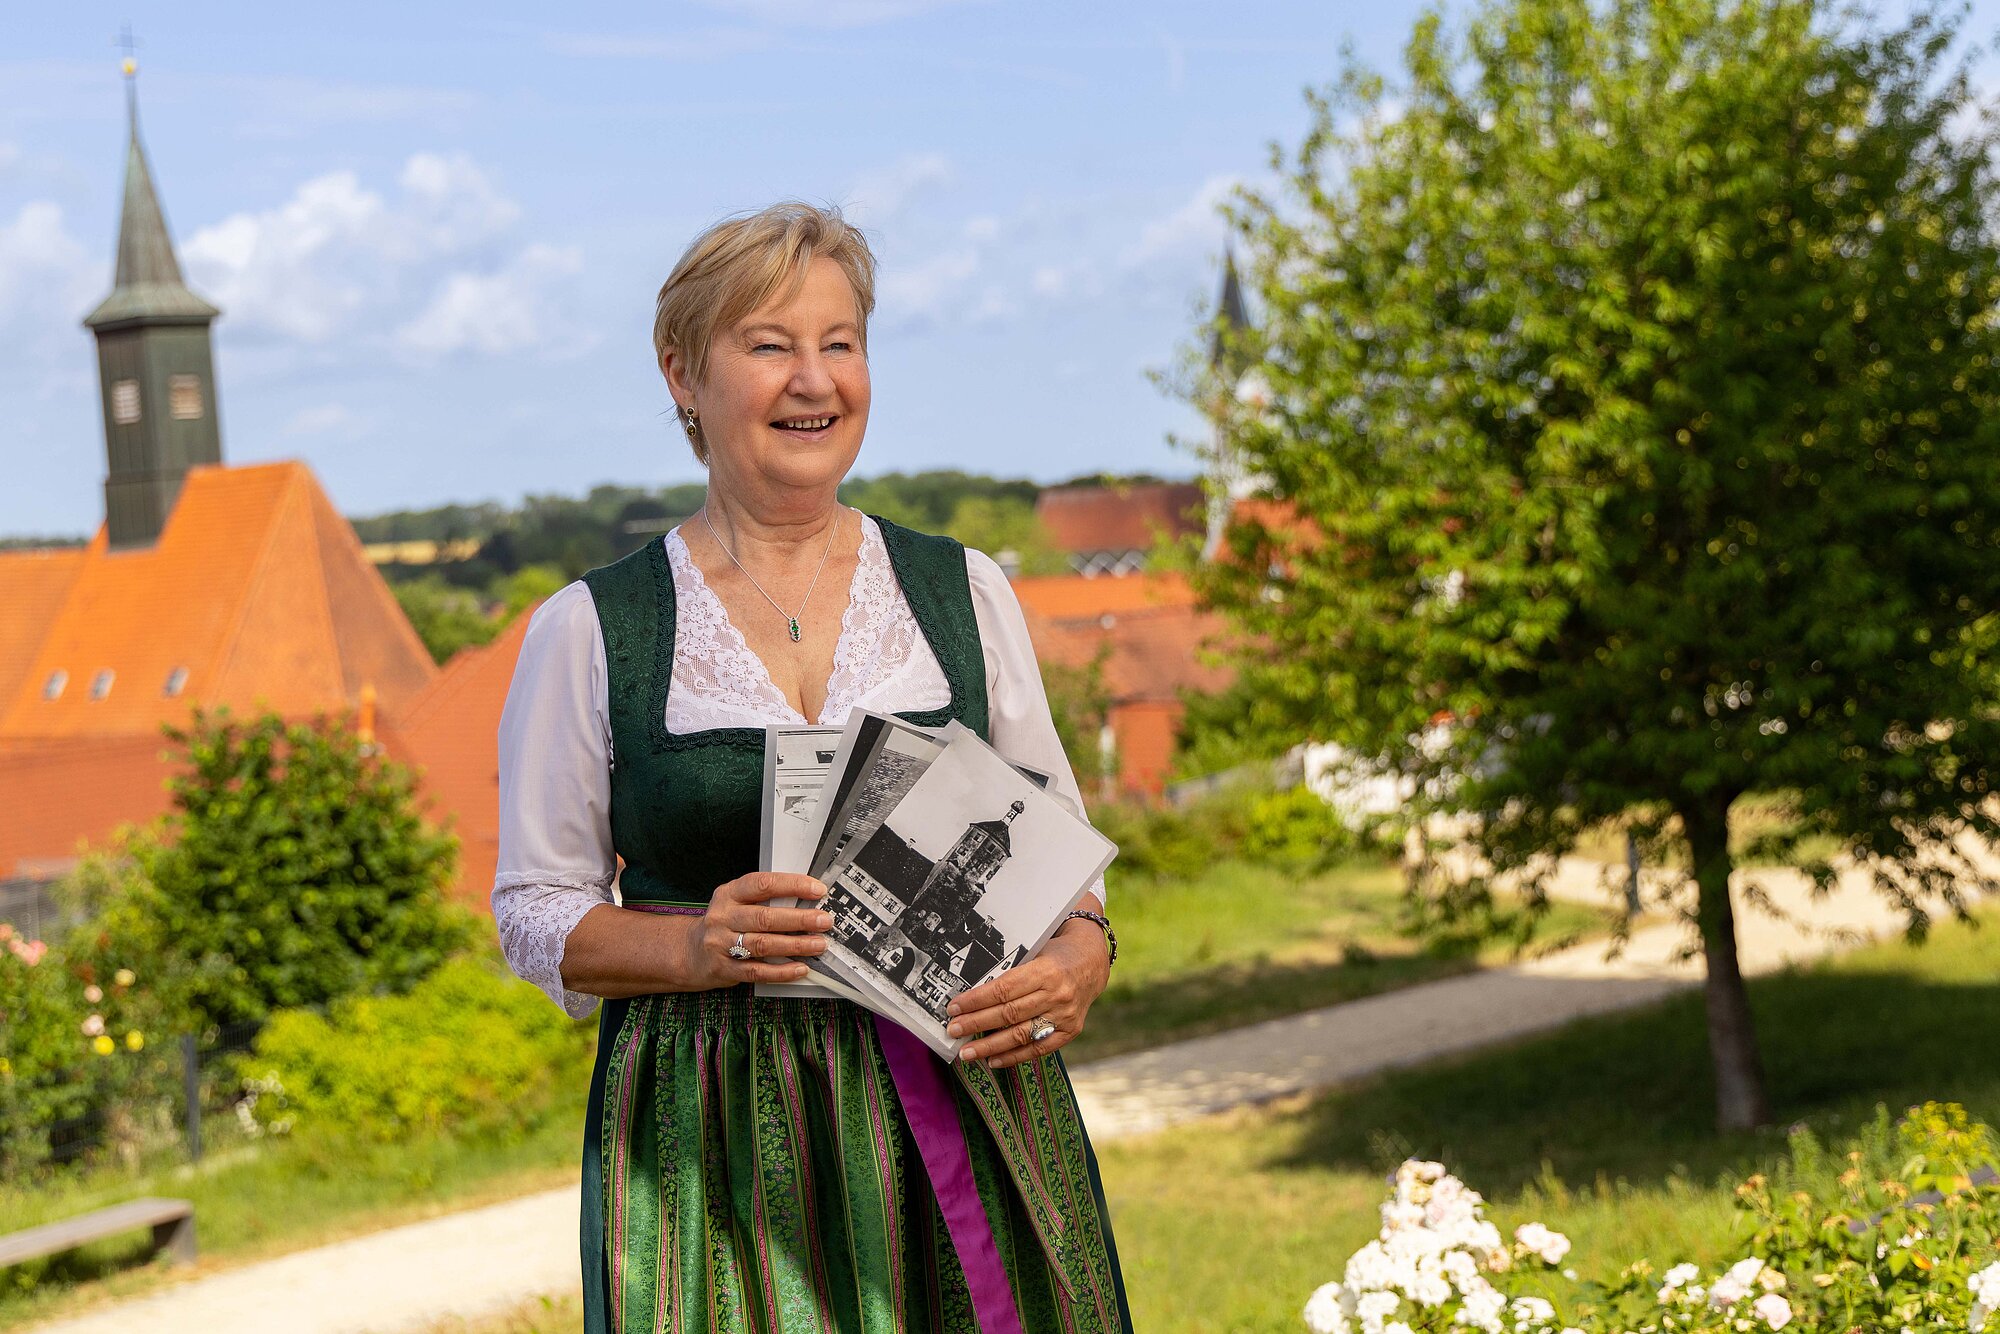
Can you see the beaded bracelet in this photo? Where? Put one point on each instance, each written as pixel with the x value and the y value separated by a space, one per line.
pixel 1110 936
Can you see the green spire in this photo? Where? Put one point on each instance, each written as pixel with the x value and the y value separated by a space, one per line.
pixel 149 288
pixel 1230 308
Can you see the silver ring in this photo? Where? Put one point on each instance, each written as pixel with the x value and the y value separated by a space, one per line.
pixel 737 951
pixel 1043 1029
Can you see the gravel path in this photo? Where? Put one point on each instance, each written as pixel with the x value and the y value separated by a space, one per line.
pixel 484 1261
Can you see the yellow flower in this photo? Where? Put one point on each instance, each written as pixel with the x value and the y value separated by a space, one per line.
pixel 6 1067
pixel 103 1045
pixel 134 1040
pixel 124 977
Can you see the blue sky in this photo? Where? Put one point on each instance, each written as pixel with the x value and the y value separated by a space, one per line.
pixel 436 231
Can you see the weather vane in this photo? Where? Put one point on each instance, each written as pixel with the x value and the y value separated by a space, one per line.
pixel 129 67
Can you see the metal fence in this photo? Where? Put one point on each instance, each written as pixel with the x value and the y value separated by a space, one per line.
pixel 177 1095
pixel 30 908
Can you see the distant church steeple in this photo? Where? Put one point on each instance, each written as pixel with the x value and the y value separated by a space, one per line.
pixel 156 370
pixel 1226 481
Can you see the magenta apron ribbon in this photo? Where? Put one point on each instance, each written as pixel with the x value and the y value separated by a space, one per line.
pixel 921 1084
pixel 924 1089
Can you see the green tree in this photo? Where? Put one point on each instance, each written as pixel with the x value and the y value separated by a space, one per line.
pixel 1634 376
pixel 447 619
pixel 293 868
pixel 996 524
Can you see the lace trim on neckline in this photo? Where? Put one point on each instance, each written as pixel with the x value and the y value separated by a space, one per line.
pixel 718 681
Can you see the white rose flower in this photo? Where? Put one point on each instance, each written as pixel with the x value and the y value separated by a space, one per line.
pixel 1533 1310
pixel 1375 1307
pixel 1324 1312
pixel 1985 1285
pixel 1773 1310
pixel 93 1026
pixel 1397 1327
pixel 1482 1309
pixel 1551 1246
pixel 1727 1292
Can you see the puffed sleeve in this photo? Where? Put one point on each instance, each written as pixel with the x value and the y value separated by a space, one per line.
pixel 556 862
pixel 1019 721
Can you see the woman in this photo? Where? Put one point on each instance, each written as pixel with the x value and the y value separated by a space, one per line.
pixel 780 1164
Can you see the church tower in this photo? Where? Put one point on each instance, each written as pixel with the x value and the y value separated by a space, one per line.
pixel 156 371
pixel 1227 481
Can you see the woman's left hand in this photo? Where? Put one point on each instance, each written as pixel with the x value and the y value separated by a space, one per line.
pixel 1059 985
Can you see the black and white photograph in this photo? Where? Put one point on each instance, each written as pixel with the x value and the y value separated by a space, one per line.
pixel 797 760
pixel 879 760
pixel 969 873
pixel 796 763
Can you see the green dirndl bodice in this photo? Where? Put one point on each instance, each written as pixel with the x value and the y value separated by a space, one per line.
pixel 747 1164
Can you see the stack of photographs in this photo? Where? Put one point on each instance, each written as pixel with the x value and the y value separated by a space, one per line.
pixel 945 863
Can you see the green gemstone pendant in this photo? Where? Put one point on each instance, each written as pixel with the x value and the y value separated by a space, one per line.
pixel 795 629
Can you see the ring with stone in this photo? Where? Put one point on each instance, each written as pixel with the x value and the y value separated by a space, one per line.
pixel 1043 1029
pixel 737 951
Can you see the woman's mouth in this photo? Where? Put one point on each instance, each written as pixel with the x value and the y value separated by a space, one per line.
pixel 810 428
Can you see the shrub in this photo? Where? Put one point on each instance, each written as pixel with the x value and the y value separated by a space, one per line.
pixel 1902 1231
pixel 468 1050
pixel 1294 830
pixel 294 869
pixel 40 1051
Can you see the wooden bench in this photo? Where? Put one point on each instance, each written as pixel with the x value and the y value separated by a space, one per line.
pixel 172 1222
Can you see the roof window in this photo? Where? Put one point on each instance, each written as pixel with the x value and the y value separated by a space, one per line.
pixel 177 681
pixel 100 684
pixel 53 687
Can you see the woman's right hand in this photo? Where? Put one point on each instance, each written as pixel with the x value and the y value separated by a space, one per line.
pixel 777 938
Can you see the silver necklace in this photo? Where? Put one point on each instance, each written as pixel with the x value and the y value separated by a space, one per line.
pixel 791 618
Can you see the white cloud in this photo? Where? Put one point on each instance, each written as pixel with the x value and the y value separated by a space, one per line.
pixel 506 310
pixel 879 196
pixel 45 274
pixel 1195 227
pixel 338 259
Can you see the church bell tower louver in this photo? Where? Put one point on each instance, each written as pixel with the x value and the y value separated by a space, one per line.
pixel 156 369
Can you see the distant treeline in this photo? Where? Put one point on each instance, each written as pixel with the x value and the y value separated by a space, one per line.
pixel 574 534
pixel 527 551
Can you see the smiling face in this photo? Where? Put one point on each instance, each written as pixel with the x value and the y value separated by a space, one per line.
pixel 783 401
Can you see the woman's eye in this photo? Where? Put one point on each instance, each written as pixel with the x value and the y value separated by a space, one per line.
pixel 774 347
pixel 840 347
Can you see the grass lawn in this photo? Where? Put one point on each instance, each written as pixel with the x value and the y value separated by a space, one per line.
pixel 252 1203
pixel 1245 943
pixel 1601 1130
pixel 1752 815
pixel 1240 944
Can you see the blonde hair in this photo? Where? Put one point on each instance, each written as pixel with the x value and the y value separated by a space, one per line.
pixel 740 263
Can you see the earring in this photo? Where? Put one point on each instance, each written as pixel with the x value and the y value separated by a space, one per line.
pixel 690 416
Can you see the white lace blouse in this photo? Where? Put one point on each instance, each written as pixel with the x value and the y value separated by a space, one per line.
pixel 556 860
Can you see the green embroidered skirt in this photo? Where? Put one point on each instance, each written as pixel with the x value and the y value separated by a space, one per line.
pixel 757 1174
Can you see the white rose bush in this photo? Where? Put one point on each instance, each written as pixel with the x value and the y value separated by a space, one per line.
pixel 1898 1235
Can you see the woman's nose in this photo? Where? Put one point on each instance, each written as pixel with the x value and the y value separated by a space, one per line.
pixel 811 378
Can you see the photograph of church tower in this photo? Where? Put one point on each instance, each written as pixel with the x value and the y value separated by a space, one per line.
pixel 966 876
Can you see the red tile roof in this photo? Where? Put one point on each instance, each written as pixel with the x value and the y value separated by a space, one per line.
pixel 33 585
pixel 450 735
pixel 62 794
pixel 1119 518
pixel 1150 624
pixel 256 591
